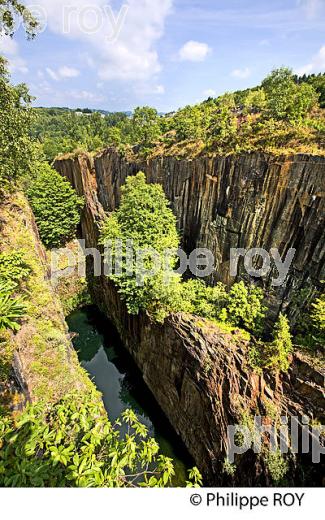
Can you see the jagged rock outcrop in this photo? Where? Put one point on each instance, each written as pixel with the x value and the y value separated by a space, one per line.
pixel 254 200
pixel 198 374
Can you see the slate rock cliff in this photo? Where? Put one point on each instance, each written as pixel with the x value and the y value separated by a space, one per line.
pixel 247 201
pixel 198 374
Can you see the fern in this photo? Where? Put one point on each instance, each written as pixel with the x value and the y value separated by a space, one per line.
pixel 11 309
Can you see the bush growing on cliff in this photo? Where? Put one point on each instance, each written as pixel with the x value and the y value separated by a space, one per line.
pixel 13 267
pixel 145 220
pixel 245 307
pixel 274 355
pixel 285 99
pixel 73 444
pixel 143 217
pixel 282 344
pixel 311 329
pixel 55 205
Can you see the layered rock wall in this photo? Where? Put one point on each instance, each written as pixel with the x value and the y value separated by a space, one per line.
pixel 198 374
pixel 247 201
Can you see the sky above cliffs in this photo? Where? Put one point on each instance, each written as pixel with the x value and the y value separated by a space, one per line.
pixel 119 54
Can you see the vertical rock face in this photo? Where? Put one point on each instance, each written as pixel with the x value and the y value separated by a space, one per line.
pixel 247 201
pixel 199 375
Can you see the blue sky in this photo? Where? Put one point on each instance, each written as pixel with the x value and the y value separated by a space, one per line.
pixel 119 54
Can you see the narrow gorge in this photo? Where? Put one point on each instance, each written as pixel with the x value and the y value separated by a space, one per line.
pixel 198 374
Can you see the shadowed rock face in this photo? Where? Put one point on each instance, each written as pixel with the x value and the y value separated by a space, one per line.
pixel 248 201
pixel 199 375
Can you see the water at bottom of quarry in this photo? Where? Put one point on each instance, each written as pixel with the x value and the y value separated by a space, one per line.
pixel 119 380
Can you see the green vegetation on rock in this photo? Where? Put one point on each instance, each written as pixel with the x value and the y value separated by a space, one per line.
pixel 73 444
pixel 55 205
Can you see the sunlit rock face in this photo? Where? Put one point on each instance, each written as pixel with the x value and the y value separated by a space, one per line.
pixel 198 374
pixel 247 201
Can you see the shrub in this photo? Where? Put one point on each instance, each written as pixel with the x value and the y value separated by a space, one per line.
pixel 281 347
pixel 318 320
pixel 244 307
pixel 11 309
pixel 55 205
pixel 277 466
pixel 145 218
pixel 13 267
pixel 73 444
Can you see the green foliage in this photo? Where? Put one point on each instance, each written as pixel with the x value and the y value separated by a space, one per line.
pixel 245 308
pixel 145 218
pixel 13 267
pixel 55 205
pixel 202 300
pixel 274 355
pixel 12 309
pixel 62 131
pixel 17 151
pixel 318 82
pixel 285 99
pixel 73 293
pixel 72 444
pixel 277 466
pixel 254 101
pixel 11 10
pixel 281 346
pixel 228 468
pixel 318 316
pixel 281 115
pixel 314 334
pixel 145 126
pixel 13 270
pixel 186 123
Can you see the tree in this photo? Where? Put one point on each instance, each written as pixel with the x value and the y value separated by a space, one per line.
pixel 318 320
pixel 255 101
pixel 145 218
pixel 55 205
pixel 223 127
pixel 9 11
pixel 187 123
pixel 245 308
pixel 285 99
pixel 145 126
pixel 17 150
pixel 281 347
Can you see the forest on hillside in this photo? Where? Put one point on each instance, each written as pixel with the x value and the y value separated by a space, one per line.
pixel 285 114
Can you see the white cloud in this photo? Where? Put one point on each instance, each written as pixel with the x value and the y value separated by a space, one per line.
pixel 241 73
pixel 10 49
pixel 311 7
pixel 53 75
pixel 317 63
pixel 17 64
pixel 132 56
pixel 145 88
pixel 85 95
pixel 194 51
pixel 264 43
pixel 209 92
pixel 8 46
pixel 62 73
pixel 68 72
